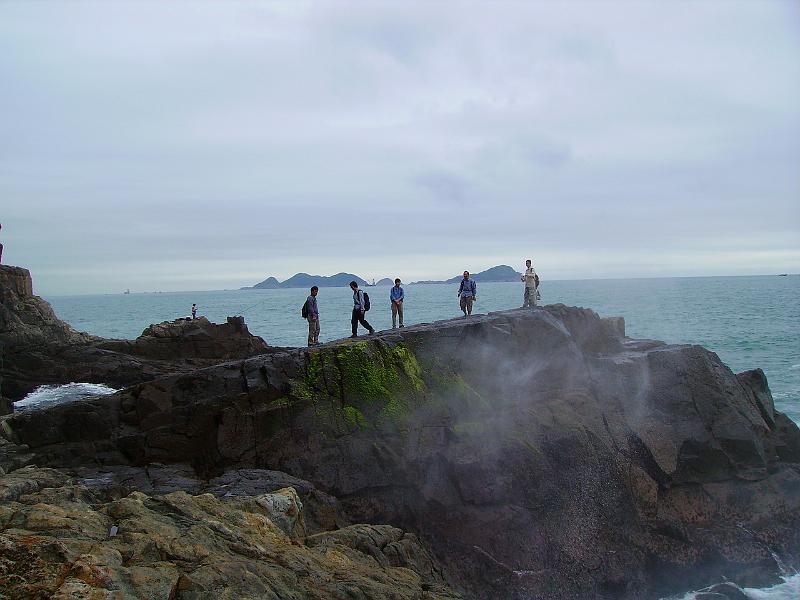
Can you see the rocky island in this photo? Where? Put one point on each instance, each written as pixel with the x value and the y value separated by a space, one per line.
pixel 522 454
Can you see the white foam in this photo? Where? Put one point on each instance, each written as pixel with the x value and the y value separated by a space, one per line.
pixel 788 590
pixel 50 395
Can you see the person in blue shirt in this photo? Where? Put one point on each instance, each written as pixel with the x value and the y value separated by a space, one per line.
pixel 396 296
pixel 359 310
pixel 468 293
pixel 313 317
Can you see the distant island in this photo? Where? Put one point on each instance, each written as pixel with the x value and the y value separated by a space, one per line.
pixel 500 273
pixel 304 280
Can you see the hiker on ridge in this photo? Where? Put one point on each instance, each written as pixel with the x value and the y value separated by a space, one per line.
pixel 312 315
pixel 360 308
pixel 468 293
pixel 531 280
pixel 396 296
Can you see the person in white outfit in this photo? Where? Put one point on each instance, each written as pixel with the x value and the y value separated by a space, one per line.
pixel 531 280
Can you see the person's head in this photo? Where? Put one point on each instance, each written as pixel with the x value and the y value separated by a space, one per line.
pixel 466 274
pixel 314 290
pixel 193 305
pixel 353 285
pixel 528 263
pixel 397 281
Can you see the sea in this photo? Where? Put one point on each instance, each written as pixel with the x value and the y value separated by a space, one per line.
pixel 749 321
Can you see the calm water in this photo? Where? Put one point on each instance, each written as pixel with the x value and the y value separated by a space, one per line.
pixel 749 321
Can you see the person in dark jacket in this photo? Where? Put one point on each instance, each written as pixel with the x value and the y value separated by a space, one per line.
pixel 468 293
pixel 313 317
pixel 359 310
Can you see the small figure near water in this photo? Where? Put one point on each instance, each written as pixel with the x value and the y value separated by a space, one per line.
pixel 1 247
pixel 468 293
pixel 194 311
pixel 396 296
pixel 311 313
pixel 531 280
pixel 360 308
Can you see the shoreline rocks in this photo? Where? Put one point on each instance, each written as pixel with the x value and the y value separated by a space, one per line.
pixel 37 348
pixel 537 453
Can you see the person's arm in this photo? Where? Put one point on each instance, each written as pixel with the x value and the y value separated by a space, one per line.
pixel 402 295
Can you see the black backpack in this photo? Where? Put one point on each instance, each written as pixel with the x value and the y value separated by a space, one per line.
pixel 366 302
pixel 304 310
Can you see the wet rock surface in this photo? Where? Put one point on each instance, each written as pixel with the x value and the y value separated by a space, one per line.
pixel 539 453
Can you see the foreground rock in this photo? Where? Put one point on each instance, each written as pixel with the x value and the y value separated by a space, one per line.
pixel 59 541
pixel 37 348
pixel 541 453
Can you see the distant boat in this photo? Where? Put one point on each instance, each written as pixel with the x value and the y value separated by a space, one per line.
pixel 783 274
pixel 128 291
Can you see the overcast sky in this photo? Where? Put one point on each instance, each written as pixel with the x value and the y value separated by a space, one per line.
pixel 193 145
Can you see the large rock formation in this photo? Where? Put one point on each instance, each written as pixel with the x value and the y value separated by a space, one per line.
pixel 541 453
pixel 38 348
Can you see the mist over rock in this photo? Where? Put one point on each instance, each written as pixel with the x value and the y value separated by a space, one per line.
pixel 538 453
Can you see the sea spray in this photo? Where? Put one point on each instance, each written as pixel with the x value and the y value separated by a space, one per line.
pixel 50 395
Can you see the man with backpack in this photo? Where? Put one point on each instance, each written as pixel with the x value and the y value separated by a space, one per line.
pixel 310 312
pixel 531 280
pixel 360 307
pixel 468 293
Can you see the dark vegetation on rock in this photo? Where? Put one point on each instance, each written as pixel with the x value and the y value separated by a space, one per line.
pixel 536 454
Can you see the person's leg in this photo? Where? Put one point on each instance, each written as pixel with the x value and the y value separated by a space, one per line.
pixel 526 301
pixel 362 319
pixel 470 300
pixel 310 331
pixel 354 321
pixel 533 297
pixel 400 313
pixel 394 315
pixel 463 305
pixel 316 331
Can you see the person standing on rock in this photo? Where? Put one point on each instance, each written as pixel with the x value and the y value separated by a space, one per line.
pixel 313 317
pixel 1 247
pixel 531 280
pixel 194 311
pixel 396 296
pixel 468 293
pixel 360 308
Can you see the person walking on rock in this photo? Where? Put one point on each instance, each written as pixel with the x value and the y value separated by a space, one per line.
pixel 360 308
pixel 531 280
pixel 396 296
pixel 468 293
pixel 1 246
pixel 194 311
pixel 312 315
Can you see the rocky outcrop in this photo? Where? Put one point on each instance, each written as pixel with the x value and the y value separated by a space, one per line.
pixel 59 540
pixel 191 338
pixel 541 452
pixel 38 348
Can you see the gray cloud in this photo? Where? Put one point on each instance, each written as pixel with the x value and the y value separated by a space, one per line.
pixel 209 145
